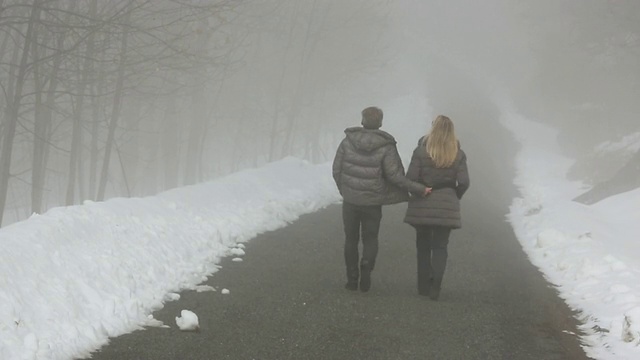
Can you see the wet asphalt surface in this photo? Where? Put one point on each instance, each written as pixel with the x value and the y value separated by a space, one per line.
pixel 287 301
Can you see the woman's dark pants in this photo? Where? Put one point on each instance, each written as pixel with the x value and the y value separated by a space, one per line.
pixel 431 244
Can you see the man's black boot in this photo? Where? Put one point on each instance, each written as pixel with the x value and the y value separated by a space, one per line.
pixel 353 286
pixel 365 277
pixel 353 273
pixel 434 292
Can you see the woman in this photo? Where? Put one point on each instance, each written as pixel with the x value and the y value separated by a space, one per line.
pixel 439 163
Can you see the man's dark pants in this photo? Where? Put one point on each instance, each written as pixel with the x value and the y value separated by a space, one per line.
pixel 359 219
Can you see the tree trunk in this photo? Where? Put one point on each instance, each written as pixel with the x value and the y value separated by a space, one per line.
pixel 129 150
pixel 75 158
pixel 10 87
pixel 194 142
pixel 14 110
pixel 151 142
pixel 169 149
pixel 4 99
pixel 198 123
pixel 96 105
pixel 296 106
pixel 43 131
pixel 115 112
pixel 39 141
pixel 95 134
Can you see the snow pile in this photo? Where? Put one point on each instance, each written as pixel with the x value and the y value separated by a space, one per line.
pixel 590 252
pixel 629 144
pixel 74 276
pixel 187 321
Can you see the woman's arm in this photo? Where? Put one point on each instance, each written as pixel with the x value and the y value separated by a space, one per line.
pixel 462 177
pixel 413 173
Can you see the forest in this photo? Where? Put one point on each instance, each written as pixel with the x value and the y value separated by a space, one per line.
pixel 125 98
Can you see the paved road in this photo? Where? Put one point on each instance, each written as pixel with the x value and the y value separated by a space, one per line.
pixel 287 301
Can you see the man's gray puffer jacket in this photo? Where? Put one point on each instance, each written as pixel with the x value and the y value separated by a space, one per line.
pixel 368 170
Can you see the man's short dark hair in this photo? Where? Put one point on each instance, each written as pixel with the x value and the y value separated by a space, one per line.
pixel 372 118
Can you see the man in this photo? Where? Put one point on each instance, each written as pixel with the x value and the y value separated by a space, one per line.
pixel 369 173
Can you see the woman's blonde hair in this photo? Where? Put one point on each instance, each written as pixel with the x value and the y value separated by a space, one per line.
pixel 442 144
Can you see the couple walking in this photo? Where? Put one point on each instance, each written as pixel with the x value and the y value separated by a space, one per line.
pixel 368 172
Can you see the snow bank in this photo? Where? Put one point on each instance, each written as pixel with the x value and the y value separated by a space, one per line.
pixel 591 253
pixel 74 276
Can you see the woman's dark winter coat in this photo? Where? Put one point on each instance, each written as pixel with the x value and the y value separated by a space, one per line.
pixel 368 170
pixel 442 206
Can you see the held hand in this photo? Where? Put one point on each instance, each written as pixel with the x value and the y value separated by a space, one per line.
pixel 427 191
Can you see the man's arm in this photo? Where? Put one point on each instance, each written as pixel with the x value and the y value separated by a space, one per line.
pixel 337 166
pixel 394 172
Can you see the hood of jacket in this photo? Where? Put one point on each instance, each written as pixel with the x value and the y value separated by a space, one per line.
pixel 368 139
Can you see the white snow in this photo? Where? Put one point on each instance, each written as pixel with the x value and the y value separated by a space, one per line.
pixel 187 321
pixel 592 253
pixel 236 251
pixel 225 292
pixel 629 144
pixel 204 288
pixel 75 276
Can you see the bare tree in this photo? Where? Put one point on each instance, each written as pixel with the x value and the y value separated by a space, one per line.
pixel 117 106
pixel 76 136
pixel 14 107
pixel 100 89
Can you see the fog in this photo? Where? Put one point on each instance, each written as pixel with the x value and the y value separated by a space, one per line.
pixel 130 97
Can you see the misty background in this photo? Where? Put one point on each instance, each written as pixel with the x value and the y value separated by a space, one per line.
pixel 101 99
